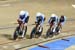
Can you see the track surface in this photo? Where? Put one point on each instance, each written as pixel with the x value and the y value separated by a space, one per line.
pixel 9 10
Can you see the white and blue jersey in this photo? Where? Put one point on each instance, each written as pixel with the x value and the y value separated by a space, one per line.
pixel 53 20
pixel 40 19
pixel 62 20
pixel 24 18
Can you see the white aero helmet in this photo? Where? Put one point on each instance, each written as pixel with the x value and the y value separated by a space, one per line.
pixel 22 12
pixel 53 15
pixel 39 14
pixel 26 12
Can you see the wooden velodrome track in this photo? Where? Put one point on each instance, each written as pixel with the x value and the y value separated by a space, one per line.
pixel 9 10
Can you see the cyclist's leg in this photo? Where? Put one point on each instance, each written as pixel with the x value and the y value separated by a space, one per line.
pixel 41 26
pixel 59 26
pixel 62 23
pixel 20 24
pixel 25 25
pixel 54 26
pixel 51 26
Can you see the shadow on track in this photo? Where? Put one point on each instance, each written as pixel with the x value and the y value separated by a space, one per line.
pixel 9 37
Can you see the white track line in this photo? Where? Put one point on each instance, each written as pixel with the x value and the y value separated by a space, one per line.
pixel 17 46
pixel 73 6
pixel 5 47
pixel 5 5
